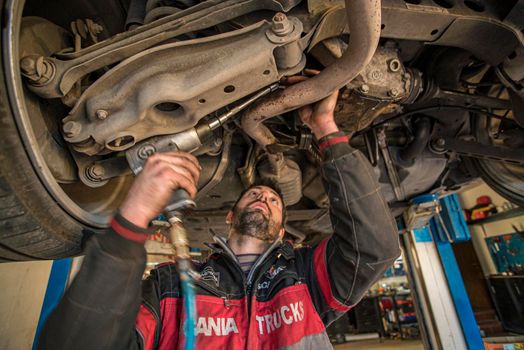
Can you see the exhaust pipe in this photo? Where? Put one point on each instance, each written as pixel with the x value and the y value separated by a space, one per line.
pixel 364 17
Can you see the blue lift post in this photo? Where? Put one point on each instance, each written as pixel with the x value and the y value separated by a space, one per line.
pixel 56 285
pixel 456 230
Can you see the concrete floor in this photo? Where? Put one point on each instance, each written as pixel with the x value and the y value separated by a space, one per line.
pixel 384 345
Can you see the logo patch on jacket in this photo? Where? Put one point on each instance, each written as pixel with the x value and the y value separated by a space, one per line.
pixel 284 315
pixel 209 274
pixel 270 275
pixel 273 272
pixel 216 326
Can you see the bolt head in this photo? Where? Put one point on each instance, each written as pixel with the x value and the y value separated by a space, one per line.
pixel 281 25
pixel 101 114
pixel 279 17
pixel 393 92
pixel 28 65
pixel 98 170
pixel 37 69
pixel 72 128
pixel 364 88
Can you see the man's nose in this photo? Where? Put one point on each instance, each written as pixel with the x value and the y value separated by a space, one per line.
pixel 262 196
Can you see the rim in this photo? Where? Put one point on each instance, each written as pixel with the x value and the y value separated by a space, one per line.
pixel 82 203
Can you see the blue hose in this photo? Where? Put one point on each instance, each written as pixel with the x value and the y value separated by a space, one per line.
pixel 188 293
pixel 178 237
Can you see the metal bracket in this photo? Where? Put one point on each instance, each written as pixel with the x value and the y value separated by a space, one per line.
pixel 69 68
pixel 478 150
pixel 173 86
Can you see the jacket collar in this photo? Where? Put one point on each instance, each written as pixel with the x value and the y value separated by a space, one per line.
pixel 220 246
pixel 287 250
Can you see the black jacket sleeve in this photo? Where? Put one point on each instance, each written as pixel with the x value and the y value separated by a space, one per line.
pixel 98 311
pixel 365 239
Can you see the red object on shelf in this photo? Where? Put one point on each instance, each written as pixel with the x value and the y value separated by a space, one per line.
pixel 484 200
pixel 482 209
pixel 479 214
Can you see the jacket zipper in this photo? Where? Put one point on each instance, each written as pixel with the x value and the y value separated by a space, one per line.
pixel 255 271
pixel 247 282
pixel 259 262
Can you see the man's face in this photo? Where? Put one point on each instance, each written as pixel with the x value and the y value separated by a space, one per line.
pixel 258 214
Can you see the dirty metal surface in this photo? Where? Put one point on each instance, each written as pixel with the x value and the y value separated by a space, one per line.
pixel 169 88
pixel 482 31
pixel 382 85
pixel 68 68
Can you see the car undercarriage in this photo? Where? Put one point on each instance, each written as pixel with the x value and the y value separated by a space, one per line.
pixel 431 91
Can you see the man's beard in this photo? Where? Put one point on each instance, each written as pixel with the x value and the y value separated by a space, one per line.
pixel 254 223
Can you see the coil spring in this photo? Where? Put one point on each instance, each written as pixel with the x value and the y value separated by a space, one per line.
pixel 156 9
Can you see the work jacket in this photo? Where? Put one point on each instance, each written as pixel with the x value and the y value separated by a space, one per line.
pixel 285 302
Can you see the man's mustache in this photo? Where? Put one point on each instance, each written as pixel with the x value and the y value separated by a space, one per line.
pixel 252 206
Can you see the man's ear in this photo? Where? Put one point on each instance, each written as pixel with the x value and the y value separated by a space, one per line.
pixel 229 217
pixel 281 232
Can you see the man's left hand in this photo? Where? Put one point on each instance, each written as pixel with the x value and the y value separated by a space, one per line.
pixel 319 117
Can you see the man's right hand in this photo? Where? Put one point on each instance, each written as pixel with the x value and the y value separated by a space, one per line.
pixel 152 189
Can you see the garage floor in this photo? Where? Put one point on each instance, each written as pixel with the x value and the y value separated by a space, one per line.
pixel 384 345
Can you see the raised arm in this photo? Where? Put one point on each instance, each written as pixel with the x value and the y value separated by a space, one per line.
pixel 365 240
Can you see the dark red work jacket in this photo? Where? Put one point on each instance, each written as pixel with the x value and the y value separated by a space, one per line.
pixel 278 305
pixel 286 301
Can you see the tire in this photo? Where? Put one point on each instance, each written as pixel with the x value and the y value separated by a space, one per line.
pixel 39 219
pixel 32 226
pixel 448 66
pixel 504 178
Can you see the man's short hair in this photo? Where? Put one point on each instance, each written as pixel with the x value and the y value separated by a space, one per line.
pixel 267 183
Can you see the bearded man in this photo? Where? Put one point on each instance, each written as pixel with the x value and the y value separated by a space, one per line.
pixel 256 291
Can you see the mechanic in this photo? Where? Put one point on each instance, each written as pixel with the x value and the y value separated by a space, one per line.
pixel 255 291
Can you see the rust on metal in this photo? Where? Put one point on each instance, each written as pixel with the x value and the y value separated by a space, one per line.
pixel 364 23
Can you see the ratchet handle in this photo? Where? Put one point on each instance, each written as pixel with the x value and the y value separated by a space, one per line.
pixel 180 203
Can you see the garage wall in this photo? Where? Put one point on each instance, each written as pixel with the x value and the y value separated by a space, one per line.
pixel 467 199
pixel 23 286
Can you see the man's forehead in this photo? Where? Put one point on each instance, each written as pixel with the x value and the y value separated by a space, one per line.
pixel 267 188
